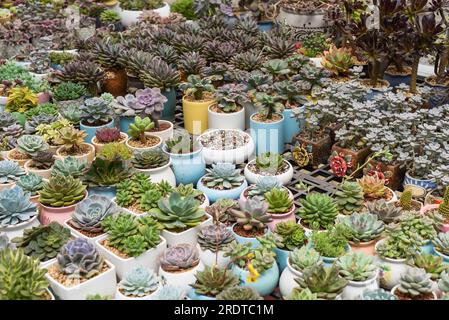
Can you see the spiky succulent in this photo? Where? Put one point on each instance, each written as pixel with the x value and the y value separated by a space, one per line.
pixel 139 281
pixel 292 234
pixel 87 73
pixel 302 294
pixel 363 227
pixel 96 112
pixel 192 63
pixel 15 207
pixel 252 214
pixel 108 135
pixel 70 139
pixel 339 61
pixel 415 283
pixel 349 198
pixel 443 209
pixel 377 294
pixel 68 91
pixel 30 145
pixel 387 212
pixel 432 264
pixel 21 278
pixel 185 190
pixel 239 293
pixel 150 159
pixel 304 257
pixel 43 242
pixel 43 160
pixel 213 280
pixel 223 176
pixel 69 166
pixel 90 212
pixel 263 185
pixel 31 183
pixel 441 243
pixel 279 201
pixel 318 211
pixel 158 74
pixel 10 171
pixel 80 259
pixel 20 99
pixel 62 191
pixel 373 187
pixel 279 48
pixel 357 266
pixel 107 54
pixel 179 257
pixel 215 237
pixel 269 162
pixel 249 60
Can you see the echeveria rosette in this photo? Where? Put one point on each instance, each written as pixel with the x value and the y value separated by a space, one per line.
pixel 15 207
pixel 31 183
pixel 10 171
pixel 139 282
pixel 153 102
pixel 91 211
pixel 179 257
pixel 96 111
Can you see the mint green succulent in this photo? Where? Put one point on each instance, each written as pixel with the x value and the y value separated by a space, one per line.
pixel 15 207
pixel 415 282
pixel 441 243
pixel 10 171
pixel 357 266
pixel 363 227
pixel 69 166
pixel 377 294
pixel 139 282
pixel 223 176
pixel 304 257
pixel 31 183
pixel 263 185
pixel 31 145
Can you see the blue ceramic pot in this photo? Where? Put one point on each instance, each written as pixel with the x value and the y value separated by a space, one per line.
pixel 92 130
pixel 194 296
pixel 419 186
pixel 170 105
pixel 214 194
pixel 265 26
pixel 397 80
pixel 109 192
pixel 265 284
pixel 125 122
pixel 281 258
pixel 188 168
pixel 255 243
pixel 445 258
pixel 291 126
pixel 427 247
pixel 328 260
pixel 268 137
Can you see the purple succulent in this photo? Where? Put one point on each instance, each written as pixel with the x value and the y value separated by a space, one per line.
pixel 153 102
pixel 180 257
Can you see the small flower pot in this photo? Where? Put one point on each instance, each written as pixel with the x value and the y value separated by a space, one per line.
pixel 87 157
pixel 170 106
pixel 284 177
pixel 291 126
pixel 223 120
pixel 129 17
pixel 99 146
pixel 320 149
pixel 195 296
pixel 44 173
pixel 282 217
pixel 163 134
pixel 189 236
pixel 243 195
pixel 395 78
pixel 419 187
pixel 188 167
pixel 391 269
pixel 78 234
pixel 124 123
pixel 103 284
pixel 365 247
pixel 395 288
pixel 265 283
pixel 281 258
pixel 215 194
pixel 240 239
pixel 108 192
pixel 20 162
pixel 17 229
pixel 196 115
pixel 354 289
pixel 149 259
pixel 268 136
pixel 287 280
pixel 120 296
pixel 210 258
pixel 91 130
pixel 163 173
pixel 357 157
pixel 136 149
pixel 436 252
pixel 330 260
pixel 430 207
pixel 181 279
pixel 59 214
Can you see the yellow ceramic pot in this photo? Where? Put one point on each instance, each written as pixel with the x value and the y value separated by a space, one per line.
pixel 196 115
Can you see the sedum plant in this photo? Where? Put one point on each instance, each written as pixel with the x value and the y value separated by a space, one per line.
pixel 252 214
pixel 387 212
pixel 31 145
pixel 69 166
pixel 31 183
pixel 62 191
pixel 292 235
pixel 441 243
pixel 150 159
pixel 239 293
pixel 215 237
pixel 415 284
pixel 331 243
pixel 139 282
pixel 304 257
pixel 90 212
pixel 318 211
pixel 179 257
pixel 223 176
pixel 397 245
pixel 432 264
pixel 415 223
pixel 357 266
pixel 213 280
pixel 263 185
pixel 349 198
pixel 363 227
pixel 10 171
pixel 279 201
pixel 16 207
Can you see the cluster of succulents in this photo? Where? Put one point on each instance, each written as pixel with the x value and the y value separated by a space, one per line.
pixel 292 235
pixel 331 243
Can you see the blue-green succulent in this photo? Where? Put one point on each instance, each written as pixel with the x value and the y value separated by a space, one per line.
pixel 15 207
pixel 139 282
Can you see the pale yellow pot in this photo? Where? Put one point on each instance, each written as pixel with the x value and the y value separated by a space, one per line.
pixel 196 115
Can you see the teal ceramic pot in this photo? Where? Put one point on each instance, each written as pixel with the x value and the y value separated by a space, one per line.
pixel 265 26
pixel 125 122
pixel 395 80
pixel 268 137
pixel 329 261
pixel 445 258
pixel 427 247
pixel 255 243
pixel 92 130
pixel 281 258
pixel 214 194
pixel 291 126
pixel 109 192
pixel 188 168
pixel 265 284
pixel 170 105
pixel 194 296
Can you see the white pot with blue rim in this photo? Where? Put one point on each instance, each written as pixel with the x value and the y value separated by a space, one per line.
pixel 419 187
pixel 287 280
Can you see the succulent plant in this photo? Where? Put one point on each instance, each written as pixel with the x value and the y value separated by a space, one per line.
pixel 158 74
pixel 331 243
pixel 363 227
pixel 10 171
pixel 413 222
pixel 397 245
pixel 139 127
pixel 32 124
pixel 149 200
pixel 169 292
pixel 405 201
pixel 151 102
pixel 223 176
pixel 69 166
pixel 197 88
pixel 239 253
pixel 15 207
pixel 109 16
pixel 20 99
pixel 387 212
pixel 43 242
pixel 215 237
pixel 263 185
pixel 180 144
pixel 279 201
pixel 150 159
pixel 269 162
pixel 377 294
pixel 339 61
pixel 192 63
pixel 239 293
pixel 108 135
pixel 62 191
pixel 105 172
pixel 43 160
pixel 357 266
pixel 80 259
pixel 249 60
pixel 30 145
pixel 441 243
pixel 443 209
pixel 304 257
pixel 318 211
pixel 373 186
pixel 292 234
pixel 71 139
pixel 432 264
pixel 415 283
pixel 71 113
pixel 179 257
pixel 96 112
pixel 252 214
pixel 90 212
pixel 302 294
pixel 325 282
pixel 115 151
pixel 443 283
pixel 213 280
pixel 87 73
pixel 31 183
pixel 139 282
pixel 22 277
pixel 350 198
pixel 68 91
pixel 268 105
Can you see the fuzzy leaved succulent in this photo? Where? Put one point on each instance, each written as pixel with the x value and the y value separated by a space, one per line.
pixel 415 283
pixel 16 207
pixel 10 171
pixel 62 191
pixel 179 257
pixel 349 198
pixel 213 280
pixel 239 293
pixel 139 281
pixel 31 183
pixel 252 214
pixel 363 227
pixel 215 237
pixel 90 212
pixel 223 176
pixel 318 211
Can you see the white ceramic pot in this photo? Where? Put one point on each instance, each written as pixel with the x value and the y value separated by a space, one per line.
pixel 393 292
pixel 317 62
pixel 391 269
pixel 165 134
pixel 103 284
pixel 121 296
pixel 129 17
pixel 5 186
pixel 233 120
pixel 148 259
pixel 162 173
pixel 99 146
pixel 205 203
pixel 287 280
pixel 78 234
pixel 134 149
pixel 44 173
pixel 307 20
pixel 88 157
pixel 17 230
pixel 284 178
pixel 182 279
pixel 129 211
pixel 210 258
pixel 188 236
pixel 354 289
pixel 236 156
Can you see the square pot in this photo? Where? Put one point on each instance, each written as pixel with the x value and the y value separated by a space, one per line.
pixel 397 173
pixel 79 234
pixel 188 236
pixel 357 157
pixel 320 149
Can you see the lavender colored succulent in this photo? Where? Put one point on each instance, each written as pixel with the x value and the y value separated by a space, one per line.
pixel 215 237
pixel 179 257
pixel 153 102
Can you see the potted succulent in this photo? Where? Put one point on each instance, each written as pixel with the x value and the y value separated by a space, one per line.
pixel 198 96
pixel 223 181
pixel 130 10
pixel 58 198
pixel 131 241
pixel 280 206
pixel 374 189
pixel 85 222
pixel 331 244
pixel 360 271
pixel 186 190
pixel 269 164
pixel 415 284
pixel 442 209
pixel 434 265
pixel 441 245
pixel 27 146
pixel 79 270
pixel 139 283
pixel 239 293
pixel 303 14
pixel 96 113
pixel 186 157
pixel 338 61
pixel 424 226
pixel 377 294
pixel 179 264
pixel 67 93
pixel 10 172
pixel 17 212
pixel 262 186
pixel 385 211
pixel 107 135
pixel 318 212
pixel 302 294
pixel 181 217
pixel 364 230
pixel 111 19
pixel 212 241
pixel 349 198
pixel 298 260
pixel 72 143
pixel 40 164
pixel 139 140
pixel 31 183
pixel 69 166
pixel 290 236
pixel 52 131
pixel 313 45
pixel 156 164
pixel 221 211
pixel 226 145
pixel 212 281
pixel 229 111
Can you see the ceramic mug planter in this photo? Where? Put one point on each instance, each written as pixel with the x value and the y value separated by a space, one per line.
pixel 291 126
pixel 159 174
pixel 138 149
pixel 215 194
pixel 99 146
pixel 226 120
pixel 59 214
pixel 394 289
pixel 183 278
pixel 189 236
pixel 196 115
pixel 287 280
pixel 149 259
pixel 91 130
pixel 87 157
pixel 210 258
pixel 281 258
pixel 163 134
pixel 266 282
pixel 391 269
pixel 103 284
pixel 120 296
pixel 44 173
pixel 419 187
pixel 268 136
pixel 78 234
pixel 241 239
pixel 365 247
pixel 283 178
pixel 188 167
pixel 17 229
pixel 237 155
pixel 129 17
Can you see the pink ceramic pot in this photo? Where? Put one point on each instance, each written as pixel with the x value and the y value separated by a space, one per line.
pixel 365 247
pixel 242 195
pixel 60 215
pixel 43 97
pixel 277 218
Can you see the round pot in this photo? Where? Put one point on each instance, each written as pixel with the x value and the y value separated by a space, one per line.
pixel 195 296
pixel 91 130
pixel 268 137
pixel 181 279
pixel 330 260
pixel 164 134
pixel 354 289
pixel 4 186
pixel 393 291
pixel 281 258
pixel 265 284
pixel 17 230
pixel 44 173
pixel 163 173
pixel 43 97
pixel 255 243
pixel 129 17
pixel 429 207
pixel 105 191
pixel 303 20
pixel 19 162
pixel 233 120
pixel 419 187
pixel 210 258
pixel 88 157
pixel 99 146
pixel 287 280
pixel 135 149
pixel 61 214
pixel 189 167
pixel 124 123
pixel 365 247
pixel 283 217
pixel 195 115
pixel 391 269
pixel 214 194
pixel 121 296
pixel 393 199
pixel 284 178
pixel 237 156
pixel 189 236
pixel 445 257
pixel 243 197
pixel 170 106
pixel 291 126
